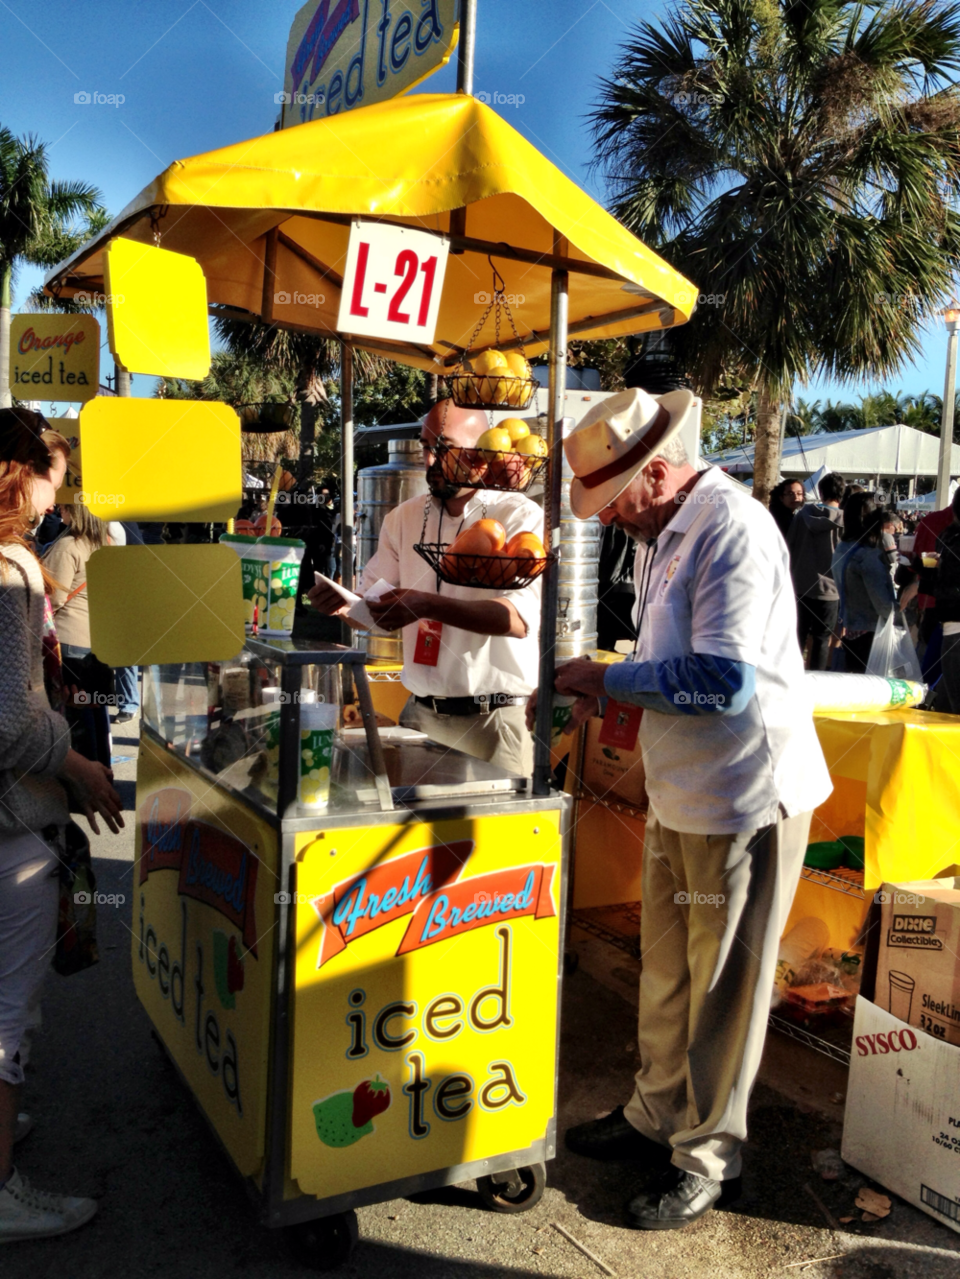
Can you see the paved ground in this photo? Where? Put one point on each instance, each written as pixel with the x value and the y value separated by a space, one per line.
pixel 114 1122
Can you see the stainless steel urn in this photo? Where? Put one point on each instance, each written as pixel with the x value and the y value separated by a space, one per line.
pixel 379 490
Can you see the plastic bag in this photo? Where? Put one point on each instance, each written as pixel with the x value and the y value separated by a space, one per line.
pixel 892 655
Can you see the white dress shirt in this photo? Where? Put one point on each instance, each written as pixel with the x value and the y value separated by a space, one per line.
pixel 469 664
pixel 717 581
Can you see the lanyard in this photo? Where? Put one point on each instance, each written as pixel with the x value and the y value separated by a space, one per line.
pixel 646 577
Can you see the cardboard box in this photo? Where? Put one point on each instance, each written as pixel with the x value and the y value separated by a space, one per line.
pixel 918 958
pixel 612 773
pixel 902 1120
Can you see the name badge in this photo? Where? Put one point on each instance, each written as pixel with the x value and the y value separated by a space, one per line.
pixel 427 651
pixel 621 725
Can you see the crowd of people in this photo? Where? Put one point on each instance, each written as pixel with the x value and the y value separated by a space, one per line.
pixel 856 562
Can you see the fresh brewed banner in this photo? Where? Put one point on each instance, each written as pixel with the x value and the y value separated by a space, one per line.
pixel 425 885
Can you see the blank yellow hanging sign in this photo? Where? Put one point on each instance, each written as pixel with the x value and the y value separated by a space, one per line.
pixel 151 605
pixel 161 460
pixel 157 320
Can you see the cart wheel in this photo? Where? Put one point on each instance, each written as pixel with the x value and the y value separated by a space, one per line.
pixel 517 1190
pixel 324 1244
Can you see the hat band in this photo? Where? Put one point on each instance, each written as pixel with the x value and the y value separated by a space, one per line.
pixel 645 448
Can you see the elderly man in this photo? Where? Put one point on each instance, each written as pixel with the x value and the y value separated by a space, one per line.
pixel 733 770
pixel 470 658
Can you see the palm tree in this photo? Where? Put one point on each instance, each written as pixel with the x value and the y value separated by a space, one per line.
pixel 921 411
pixel 880 409
pixel 802 417
pixel 35 220
pixel 798 159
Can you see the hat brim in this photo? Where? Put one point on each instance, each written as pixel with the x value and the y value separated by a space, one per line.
pixel 587 502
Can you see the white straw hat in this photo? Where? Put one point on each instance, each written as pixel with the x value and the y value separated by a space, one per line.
pixel 616 440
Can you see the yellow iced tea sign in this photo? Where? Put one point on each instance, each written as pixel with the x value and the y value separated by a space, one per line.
pixel 55 357
pixel 161 604
pixel 157 319
pixel 425 1008
pixel 161 460
pixel 351 53
pixel 203 942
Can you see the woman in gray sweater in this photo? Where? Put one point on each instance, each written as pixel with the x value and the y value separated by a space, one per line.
pixel 41 780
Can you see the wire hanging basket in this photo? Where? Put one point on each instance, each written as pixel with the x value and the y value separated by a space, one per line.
pixel 491 391
pixel 489 469
pixel 485 572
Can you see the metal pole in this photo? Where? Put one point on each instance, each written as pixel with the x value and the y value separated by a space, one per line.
pixel 346 466
pixel 946 421
pixel 559 318
pixel 467 46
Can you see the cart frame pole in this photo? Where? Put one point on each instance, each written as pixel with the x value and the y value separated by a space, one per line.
pixel 467 47
pixel 346 467
pixel 559 322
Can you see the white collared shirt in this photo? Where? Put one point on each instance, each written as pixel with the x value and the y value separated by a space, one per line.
pixel 717 581
pixel 469 664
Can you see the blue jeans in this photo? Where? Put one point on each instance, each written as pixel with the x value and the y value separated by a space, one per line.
pixel 128 689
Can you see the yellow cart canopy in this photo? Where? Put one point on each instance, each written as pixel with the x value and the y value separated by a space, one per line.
pixel 271 217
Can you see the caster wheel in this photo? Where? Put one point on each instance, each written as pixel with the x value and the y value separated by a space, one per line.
pixel 571 962
pixel 517 1190
pixel 324 1244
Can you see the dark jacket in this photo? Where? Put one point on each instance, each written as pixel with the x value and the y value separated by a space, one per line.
pixel 868 593
pixel 812 539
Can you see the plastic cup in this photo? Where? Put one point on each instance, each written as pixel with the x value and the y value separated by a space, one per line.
pixel 930 559
pixel 902 986
pixel 271 576
pixel 318 726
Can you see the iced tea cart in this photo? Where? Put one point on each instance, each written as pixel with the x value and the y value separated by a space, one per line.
pixel 362 999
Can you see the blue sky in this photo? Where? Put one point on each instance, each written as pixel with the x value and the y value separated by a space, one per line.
pixel 200 74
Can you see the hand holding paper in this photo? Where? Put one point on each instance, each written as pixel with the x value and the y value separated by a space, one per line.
pixel 328 592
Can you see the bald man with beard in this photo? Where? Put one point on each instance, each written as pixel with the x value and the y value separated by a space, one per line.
pixel 470 657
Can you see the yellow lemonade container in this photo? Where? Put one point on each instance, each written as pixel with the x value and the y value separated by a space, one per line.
pixel 271 576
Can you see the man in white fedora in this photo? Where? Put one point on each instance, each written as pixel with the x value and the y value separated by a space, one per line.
pixel 733 772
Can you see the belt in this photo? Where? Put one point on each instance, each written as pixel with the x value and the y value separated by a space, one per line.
pixel 482 704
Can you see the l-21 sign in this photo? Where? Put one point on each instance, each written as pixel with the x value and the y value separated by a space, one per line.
pixel 393 283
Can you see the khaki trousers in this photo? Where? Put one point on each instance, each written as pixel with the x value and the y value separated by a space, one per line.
pixel 500 738
pixel 714 909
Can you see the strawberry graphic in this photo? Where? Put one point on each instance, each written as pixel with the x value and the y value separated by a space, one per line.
pixel 234 968
pixel 371 1098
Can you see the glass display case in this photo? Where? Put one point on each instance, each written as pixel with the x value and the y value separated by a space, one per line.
pixel 269 726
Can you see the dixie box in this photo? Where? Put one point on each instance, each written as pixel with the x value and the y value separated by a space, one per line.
pixel 901 1126
pixel 918 959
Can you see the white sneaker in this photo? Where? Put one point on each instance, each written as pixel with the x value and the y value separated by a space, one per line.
pixel 24 1126
pixel 26 1213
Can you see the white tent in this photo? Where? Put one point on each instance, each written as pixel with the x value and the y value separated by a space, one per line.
pixel 928 502
pixel 882 452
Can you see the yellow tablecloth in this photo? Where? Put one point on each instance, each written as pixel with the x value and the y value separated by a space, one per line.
pixel 896 782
